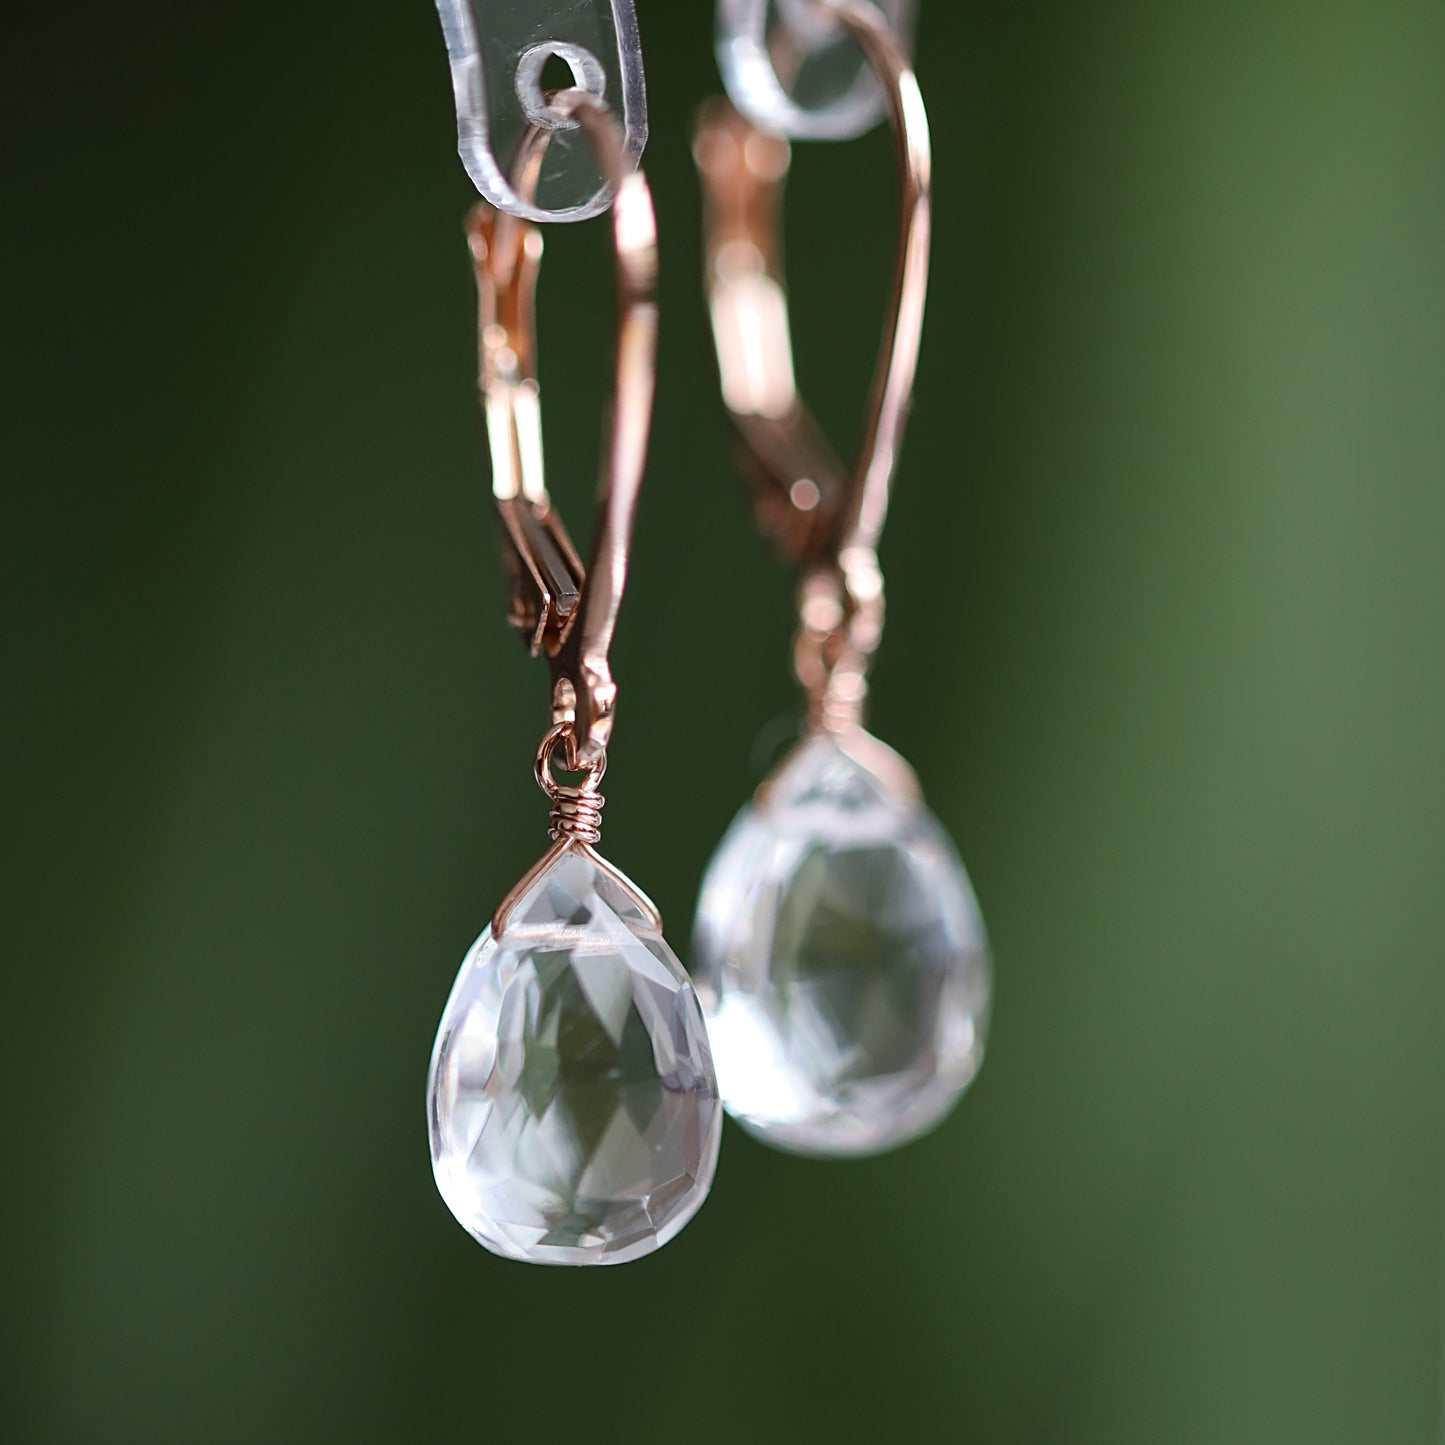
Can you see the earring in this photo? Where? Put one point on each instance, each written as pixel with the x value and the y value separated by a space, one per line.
pixel 839 951
pixel 572 1105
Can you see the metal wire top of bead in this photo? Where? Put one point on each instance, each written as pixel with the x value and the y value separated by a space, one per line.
pixel 576 808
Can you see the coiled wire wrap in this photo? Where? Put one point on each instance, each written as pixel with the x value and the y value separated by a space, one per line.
pixel 576 808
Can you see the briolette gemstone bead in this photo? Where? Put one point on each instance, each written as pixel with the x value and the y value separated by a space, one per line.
pixel 572 1103
pixel 841 959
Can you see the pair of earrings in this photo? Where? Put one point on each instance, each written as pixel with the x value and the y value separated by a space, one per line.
pixel 579 1076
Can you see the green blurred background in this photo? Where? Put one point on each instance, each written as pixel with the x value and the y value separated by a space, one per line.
pixel 1165 644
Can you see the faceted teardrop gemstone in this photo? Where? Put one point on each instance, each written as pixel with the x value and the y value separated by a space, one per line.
pixel 572 1103
pixel 840 956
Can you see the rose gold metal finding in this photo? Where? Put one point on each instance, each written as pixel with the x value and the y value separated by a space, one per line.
pixel 565 612
pixel 824 517
pixel 576 824
pixel 576 808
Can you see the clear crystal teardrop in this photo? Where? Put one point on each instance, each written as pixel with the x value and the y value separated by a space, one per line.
pixel 840 956
pixel 572 1103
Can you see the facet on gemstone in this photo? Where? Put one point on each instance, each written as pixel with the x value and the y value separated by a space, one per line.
pixel 840 957
pixel 572 1103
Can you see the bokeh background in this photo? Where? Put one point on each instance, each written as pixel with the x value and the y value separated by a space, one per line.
pixel 1165 644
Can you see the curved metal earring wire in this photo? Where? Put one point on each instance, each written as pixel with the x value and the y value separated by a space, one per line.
pixel 565 611
pixel 823 516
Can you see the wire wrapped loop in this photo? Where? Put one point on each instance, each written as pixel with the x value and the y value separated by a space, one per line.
pixel 840 622
pixel 576 808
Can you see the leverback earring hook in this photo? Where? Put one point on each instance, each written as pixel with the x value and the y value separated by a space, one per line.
pixel 565 611
pixel 823 516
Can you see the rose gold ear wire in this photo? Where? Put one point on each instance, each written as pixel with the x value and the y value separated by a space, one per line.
pixel 565 612
pixel 824 517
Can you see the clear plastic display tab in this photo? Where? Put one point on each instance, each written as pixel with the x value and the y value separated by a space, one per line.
pixel 499 51
pixel 791 70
